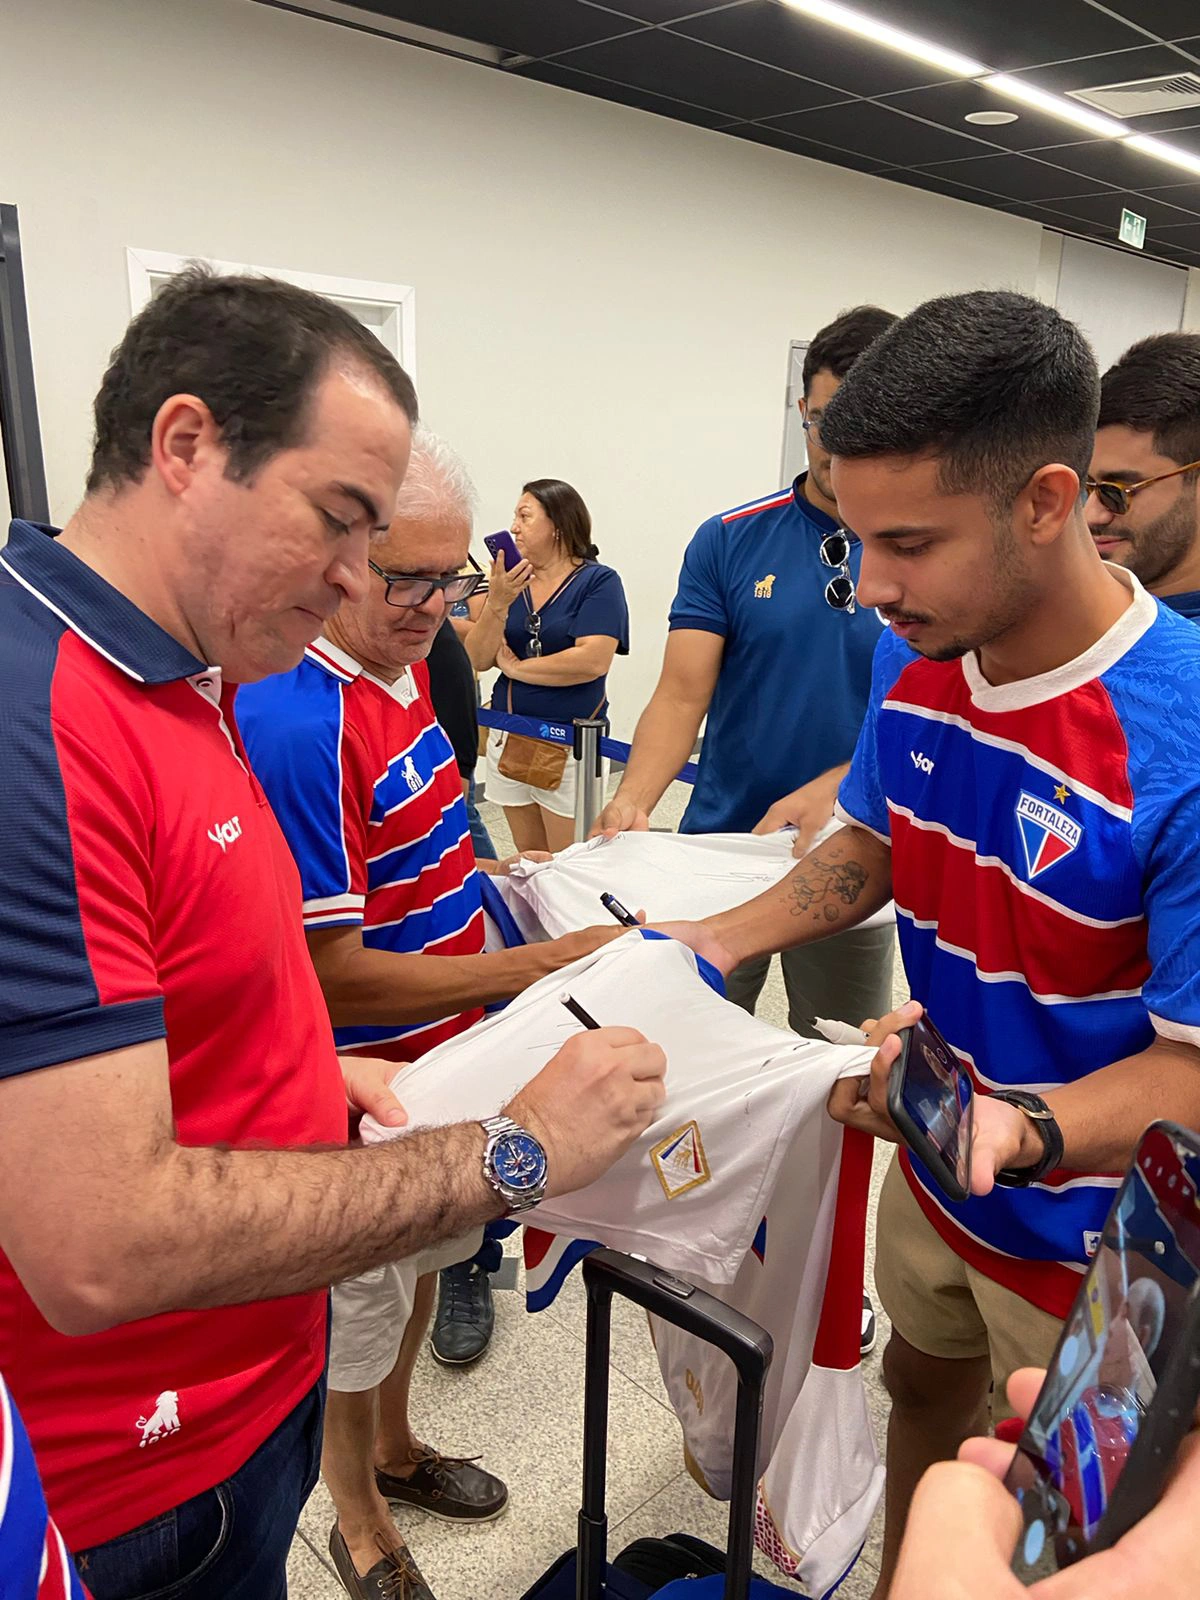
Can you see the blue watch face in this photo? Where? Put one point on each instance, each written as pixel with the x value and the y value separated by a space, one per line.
pixel 519 1161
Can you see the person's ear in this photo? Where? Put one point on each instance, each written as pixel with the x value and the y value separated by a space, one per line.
pixel 183 434
pixel 1048 502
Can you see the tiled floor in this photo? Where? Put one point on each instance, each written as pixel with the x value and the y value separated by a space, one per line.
pixel 521 1409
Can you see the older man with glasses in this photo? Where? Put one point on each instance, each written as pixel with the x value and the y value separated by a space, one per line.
pixel 1143 508
pixel 364 783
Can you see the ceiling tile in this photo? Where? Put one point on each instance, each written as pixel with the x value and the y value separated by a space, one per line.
pixel 784 38
pixel 564 77
pixel 952 188
pixel 1188 238
pixel 1107 160
pixel 1015 177
pixel 663 10
pixel 1169 19
pixel 876 130
pixel 663 62
pixel 528 27
pixel 948 104
pixel 1151 61
pixel 1175 194
pixel 1013 34
pixel 778 139
pixel 1107 208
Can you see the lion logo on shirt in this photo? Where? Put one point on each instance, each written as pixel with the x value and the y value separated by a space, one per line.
pixel 764 586
pixel 164 1419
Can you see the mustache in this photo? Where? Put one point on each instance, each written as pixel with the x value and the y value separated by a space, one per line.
pixel 902 616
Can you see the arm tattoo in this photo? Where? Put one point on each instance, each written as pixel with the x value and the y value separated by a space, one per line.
pixel 825 887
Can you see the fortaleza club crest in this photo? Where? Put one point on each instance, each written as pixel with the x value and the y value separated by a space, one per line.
pixel 1047 834
pixel 680 1161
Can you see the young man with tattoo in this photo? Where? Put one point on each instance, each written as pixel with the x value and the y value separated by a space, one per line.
pixel 1025 786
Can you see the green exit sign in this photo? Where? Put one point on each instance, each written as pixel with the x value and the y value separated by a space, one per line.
pixel 1132 230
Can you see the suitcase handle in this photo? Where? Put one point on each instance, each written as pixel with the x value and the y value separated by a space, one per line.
pixel 749 1347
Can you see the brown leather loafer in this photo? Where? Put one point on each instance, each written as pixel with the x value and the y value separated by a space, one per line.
pixel 450 1487
pixel 394 1577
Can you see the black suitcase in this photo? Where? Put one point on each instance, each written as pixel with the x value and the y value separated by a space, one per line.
pixel 585 1573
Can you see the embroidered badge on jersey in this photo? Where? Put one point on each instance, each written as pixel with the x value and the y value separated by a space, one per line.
pixel 1048 835
pixel 680 1161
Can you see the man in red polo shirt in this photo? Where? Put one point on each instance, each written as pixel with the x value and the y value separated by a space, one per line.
pixel 175 1191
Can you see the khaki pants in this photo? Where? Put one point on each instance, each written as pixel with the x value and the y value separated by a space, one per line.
pixel 942 1306
pixel 847 978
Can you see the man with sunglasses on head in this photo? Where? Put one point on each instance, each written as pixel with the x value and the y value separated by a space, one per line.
pixel 767 641
pixel 364 783
pixel 1143 509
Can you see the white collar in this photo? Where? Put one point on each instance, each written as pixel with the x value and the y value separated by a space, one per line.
pixel 1137 617
pixel 343 666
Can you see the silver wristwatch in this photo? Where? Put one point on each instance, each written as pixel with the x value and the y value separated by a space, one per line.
pixel 514 1163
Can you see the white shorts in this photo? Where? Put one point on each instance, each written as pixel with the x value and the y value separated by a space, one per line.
pixel 560 802
pixel 371 1312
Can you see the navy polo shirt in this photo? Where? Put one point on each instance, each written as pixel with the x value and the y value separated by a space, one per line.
pixel 795 675
pixel 591 602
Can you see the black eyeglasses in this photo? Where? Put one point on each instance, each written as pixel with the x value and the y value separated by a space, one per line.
pixel 839 591
pixel 411 589
pixel 812 427
pixel 1115 497
pixel 533 625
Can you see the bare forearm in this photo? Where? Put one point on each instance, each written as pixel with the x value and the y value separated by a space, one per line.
pixel 485 638
pixel 564 668
pixel 662 743
pixel 381 986
pixel 210 1227
pixel 1103 1115
pixel 840 884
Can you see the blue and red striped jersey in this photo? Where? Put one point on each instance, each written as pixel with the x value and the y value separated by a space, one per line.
pixel 1047 890
pixel 148 895
pixel 365 786
pixel 34 1562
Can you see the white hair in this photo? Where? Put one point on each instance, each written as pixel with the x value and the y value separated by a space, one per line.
pixel 437 484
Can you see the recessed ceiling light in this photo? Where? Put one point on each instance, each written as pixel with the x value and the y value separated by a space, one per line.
pixel 880 32
pixel 991 119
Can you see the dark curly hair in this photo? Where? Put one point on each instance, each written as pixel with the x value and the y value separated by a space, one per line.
pixel 838 345
pixel 253 349
pixel 1155 388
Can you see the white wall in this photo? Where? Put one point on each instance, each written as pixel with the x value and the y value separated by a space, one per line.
pixel 602 295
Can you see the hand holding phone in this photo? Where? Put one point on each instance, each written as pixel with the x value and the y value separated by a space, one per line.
pixel 932 1103
pixel 1124 1381
pixel 503 545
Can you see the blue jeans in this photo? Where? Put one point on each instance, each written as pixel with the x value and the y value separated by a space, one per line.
pixel 230 1543
pixel 485 850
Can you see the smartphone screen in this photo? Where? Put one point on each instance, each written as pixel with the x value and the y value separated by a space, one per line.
pixel 1122 1330
pixel 935 1098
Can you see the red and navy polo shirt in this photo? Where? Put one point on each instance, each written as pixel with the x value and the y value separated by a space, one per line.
pixel 148 894
pixel 366 788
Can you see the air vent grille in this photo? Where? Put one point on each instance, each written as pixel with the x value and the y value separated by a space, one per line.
pixel 1142 96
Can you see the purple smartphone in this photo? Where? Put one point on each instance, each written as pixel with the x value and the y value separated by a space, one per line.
pixel 503 544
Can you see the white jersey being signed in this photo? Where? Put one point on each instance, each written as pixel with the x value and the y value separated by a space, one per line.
pixel 741 1184
pixel 673 877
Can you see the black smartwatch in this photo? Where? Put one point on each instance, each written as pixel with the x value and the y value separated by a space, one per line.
pixel 1040 1114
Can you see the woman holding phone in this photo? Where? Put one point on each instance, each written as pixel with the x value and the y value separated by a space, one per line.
pixel 552 624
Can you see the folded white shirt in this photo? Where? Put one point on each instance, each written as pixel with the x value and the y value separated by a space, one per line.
pixel 673 877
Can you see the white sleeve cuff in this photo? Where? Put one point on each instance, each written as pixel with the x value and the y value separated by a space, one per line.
pixel 843 815
pixel 1179 1031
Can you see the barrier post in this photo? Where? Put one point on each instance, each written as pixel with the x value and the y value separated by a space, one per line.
pixel 589 791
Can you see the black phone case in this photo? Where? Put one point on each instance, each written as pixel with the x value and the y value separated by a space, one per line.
pixel 1167 1422
pixel 1166 1425
pixel 914 1137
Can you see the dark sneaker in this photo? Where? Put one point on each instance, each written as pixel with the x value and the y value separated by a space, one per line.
pixel 395 1576
pixel 448 1487
pixel 466 1315
pixel 867 1340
